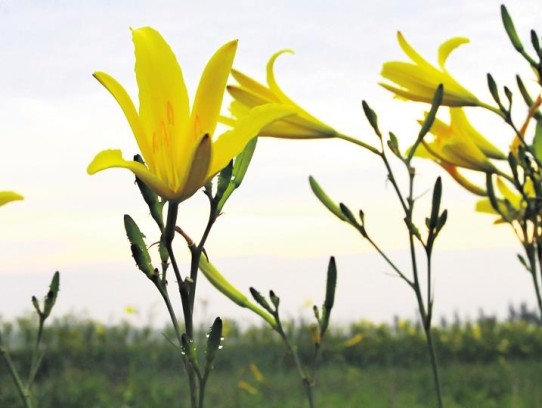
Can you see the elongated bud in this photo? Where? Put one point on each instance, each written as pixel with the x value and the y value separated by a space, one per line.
pixel 324 199
pixel 151 198
pixel 493 89
pixel 52 295
pixel 329 301
pixel 372 118
pixel 510 29
pixel 260 300
pixel 138 247
pixel 214 341
pixel 274 299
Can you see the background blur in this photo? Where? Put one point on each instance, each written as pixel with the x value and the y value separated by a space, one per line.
pixel 54 117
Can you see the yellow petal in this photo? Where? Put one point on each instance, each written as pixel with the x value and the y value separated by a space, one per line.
pixel 231 143
pixel 447 47
pixel 459 120
pixel 253 86
pixel 8 196
pixel 246 97
pixel 275 88
pixel 208 100
pixel 411 52
pixel 163 99
pixel 113 158
pixel 127 106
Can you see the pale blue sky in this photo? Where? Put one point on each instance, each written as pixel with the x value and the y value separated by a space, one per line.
pixel 54 117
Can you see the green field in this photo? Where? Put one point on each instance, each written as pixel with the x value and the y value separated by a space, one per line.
pixel 484 364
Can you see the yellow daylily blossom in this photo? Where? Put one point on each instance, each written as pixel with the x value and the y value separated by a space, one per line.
pixel 9 196
pixel 459 144
pixel 177 143
pixel 418 80
pixel 251 93
pixel 512 203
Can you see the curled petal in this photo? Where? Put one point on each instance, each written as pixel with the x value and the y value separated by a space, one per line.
pixel 8 196
pixel 108 159
pixel 447 47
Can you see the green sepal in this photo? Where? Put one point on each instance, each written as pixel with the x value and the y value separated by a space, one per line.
pixel 372 118
pixel 329 301
pixel 213 343
pixel 151 198
pixel 324 199
pixel 224 179
pixel 138 247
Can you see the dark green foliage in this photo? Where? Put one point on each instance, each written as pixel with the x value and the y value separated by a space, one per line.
pixel 485 363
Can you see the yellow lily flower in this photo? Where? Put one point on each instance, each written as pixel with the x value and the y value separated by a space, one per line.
pixel 515 204
pixel 418 81
pixel 251 93
pixel 177 144
pixel 459 144
pixel 8 196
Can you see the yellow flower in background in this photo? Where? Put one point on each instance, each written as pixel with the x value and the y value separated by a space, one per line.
pixel 177 143
pixel 9 196
pixel 250 93
pixel 459 144
pixel 512 203
pixel 418 80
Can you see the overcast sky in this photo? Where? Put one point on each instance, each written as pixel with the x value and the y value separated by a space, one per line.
pixel 54 117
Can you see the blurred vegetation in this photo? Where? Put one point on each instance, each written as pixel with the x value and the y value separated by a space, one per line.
pixel 485 362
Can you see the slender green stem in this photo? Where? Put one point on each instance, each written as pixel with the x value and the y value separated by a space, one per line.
pixel 305 378
pixel 36 360
pixel 24 392
pixel 357 142
pixel 434 363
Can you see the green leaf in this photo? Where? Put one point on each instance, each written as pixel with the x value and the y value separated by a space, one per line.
pixel 537 141
pixel 138 247
pixel 429 119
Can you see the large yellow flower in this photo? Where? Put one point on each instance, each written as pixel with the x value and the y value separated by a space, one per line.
pixel 8 196
pixel 177 144
pixel 251 93
pixel 459 144
pixel 418 80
